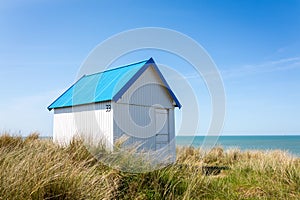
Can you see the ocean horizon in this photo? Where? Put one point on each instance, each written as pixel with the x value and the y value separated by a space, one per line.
pixel 289 143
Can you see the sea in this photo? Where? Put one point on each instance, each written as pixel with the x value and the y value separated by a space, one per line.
pixel 289 143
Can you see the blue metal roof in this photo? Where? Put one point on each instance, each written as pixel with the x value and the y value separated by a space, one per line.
pixel 105 86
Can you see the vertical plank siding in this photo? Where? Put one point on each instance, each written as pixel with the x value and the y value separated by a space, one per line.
pixel 147 90
pixel 135 115
pixel 92 122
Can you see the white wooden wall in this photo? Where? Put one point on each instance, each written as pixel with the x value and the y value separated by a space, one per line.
pixel 135 112
pixel 91 121
pixel 136 122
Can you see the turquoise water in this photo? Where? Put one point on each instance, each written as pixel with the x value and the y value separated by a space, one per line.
pixel 286 143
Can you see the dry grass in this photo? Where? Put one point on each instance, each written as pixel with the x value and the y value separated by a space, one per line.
pixel 32 168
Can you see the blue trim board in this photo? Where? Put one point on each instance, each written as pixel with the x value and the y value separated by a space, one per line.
pixel 166 85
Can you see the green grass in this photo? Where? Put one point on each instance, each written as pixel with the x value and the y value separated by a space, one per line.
pixel 32 168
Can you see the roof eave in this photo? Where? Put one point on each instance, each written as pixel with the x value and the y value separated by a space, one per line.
pixel 50 107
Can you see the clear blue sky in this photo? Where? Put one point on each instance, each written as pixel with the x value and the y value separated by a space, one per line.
pixel 255 45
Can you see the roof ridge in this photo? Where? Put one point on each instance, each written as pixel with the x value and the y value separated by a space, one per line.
pixel 120 67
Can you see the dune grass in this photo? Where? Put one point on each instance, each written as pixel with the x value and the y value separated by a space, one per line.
pixel 32 168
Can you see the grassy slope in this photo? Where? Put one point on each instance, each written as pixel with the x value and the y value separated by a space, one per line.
pixel 38 169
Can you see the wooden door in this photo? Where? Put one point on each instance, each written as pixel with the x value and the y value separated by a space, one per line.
pixel 162 128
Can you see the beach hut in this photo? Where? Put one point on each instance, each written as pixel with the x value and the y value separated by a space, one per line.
pixel 133 100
